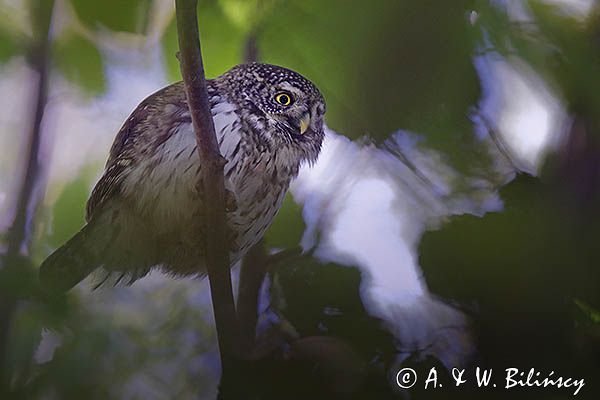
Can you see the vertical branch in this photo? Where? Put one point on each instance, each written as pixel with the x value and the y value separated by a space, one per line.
pixel 252 274
pixel 18 233
pixel 254 263
pixel 39 61
pixel 251 47
pixel 211 186
pixel 41 13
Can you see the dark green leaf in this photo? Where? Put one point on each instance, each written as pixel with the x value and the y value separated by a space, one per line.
pixel 222 42
pixel 117 15
pixel 288 226
pixel 9 46
pixel 68 212
pixel 81 62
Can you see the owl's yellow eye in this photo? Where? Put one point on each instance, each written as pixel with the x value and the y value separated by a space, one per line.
pixel 283 98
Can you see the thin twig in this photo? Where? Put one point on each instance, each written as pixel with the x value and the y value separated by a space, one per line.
pixel 211 186
pixel 276 258
pixel 498 142
pixel 397 151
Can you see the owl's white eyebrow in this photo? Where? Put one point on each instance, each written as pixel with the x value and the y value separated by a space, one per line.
pixel 290 88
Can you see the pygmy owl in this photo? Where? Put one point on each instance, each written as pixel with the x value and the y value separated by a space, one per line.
pixel 145 210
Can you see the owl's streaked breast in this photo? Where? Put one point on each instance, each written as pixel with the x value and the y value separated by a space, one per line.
pixel 164 185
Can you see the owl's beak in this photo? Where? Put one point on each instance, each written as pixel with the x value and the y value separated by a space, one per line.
pixel 304 123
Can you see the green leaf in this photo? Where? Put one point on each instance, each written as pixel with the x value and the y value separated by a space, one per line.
pixel 41 16
pixel 473 258
pixel 68 212
pixel 561 49
pixel 24 337
pixel 9 46
pixel 247 14
pixel 288 226
pixel 590 312
pixel 117 15
pixel 80 62
pixel 575 61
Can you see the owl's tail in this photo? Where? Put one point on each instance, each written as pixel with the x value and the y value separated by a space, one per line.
pixel 72 262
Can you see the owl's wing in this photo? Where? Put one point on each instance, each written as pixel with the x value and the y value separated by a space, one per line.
pixel 151 119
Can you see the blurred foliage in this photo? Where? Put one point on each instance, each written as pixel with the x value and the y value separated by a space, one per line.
pixel 117 15
pixel 375 77
pixel 80 61
pixel 527 275
pixel 222 41
pixel 575 59
pixel 9 44
pixel 68 214
pixel 517 246
pixel 340 351
pixel 520 272
pixel 592 315
pixel 559 47
pixel 287 229
pixel 334 307
pixel 40 14
pixel 248 15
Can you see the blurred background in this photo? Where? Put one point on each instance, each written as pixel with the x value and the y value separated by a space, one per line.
pixel 452 218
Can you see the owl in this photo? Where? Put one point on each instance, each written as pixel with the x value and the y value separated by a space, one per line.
pixel 145 212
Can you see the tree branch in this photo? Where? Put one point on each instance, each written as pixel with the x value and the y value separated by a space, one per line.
pixel 252 274
pixel 251 47
pixel 41 16
pixel 254 263
pixel 39 62
pixel 211 186
pixel 498 142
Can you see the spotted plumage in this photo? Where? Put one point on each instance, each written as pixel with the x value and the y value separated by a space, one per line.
pixel 145 210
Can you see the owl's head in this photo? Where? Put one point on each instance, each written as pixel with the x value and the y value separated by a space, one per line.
pixel 280 105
